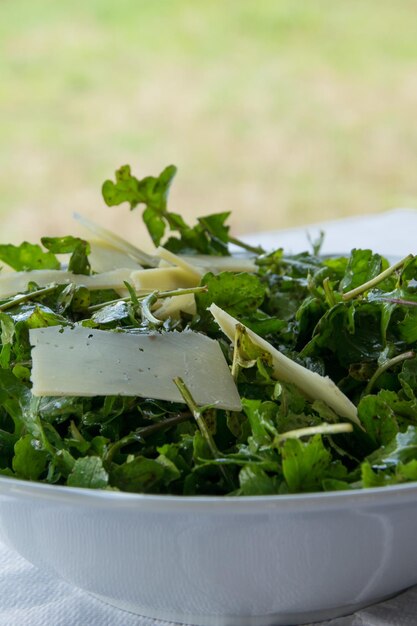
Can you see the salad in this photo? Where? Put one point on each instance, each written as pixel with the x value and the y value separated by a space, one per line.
pixel 209 367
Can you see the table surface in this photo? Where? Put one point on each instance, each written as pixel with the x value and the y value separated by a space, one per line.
pixel 29 597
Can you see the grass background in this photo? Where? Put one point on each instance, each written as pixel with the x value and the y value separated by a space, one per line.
pixel 284 112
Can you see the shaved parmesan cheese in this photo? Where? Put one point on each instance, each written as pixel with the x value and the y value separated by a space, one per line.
pixel 17 282
pixel 116 241
pixel 163 279
pixel 104 258
pixel 216 264
pixel 87 362
pixel 174 306
pixel 178 261
pixel 314 386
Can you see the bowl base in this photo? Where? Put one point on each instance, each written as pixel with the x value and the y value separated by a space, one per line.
pixel 272 619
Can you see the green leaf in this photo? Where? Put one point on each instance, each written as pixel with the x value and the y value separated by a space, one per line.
pixel 238 294
pixel 58 409
pixel 7 443
pixel 254 481
pixel 139 475
pixel 37 316
pixel 408 327
pixel 78 248
pixel 377 477
pixel 124 190
pixel 352 332
pixel 261 416
pixel 371 478
pixel 378 418
pixel 15 398
pixel 215 226
pixel 407 471
pixel 305 465
pixel 150 191
pixel 88 472
pixel 401 449
pixel 171 471
pixel 28 256
pixel 265 326
pixel 7 336
pixel 402 408
pixel 155 224
pixel 247 354
pixel 363 265
pixel 333 484
pixel 21 372
pixel 79 263
pixel 408 378
pixel 201 449
pixel 208 236
pixel 30 459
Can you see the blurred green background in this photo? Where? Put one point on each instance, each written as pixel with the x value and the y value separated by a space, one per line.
pixel 283 112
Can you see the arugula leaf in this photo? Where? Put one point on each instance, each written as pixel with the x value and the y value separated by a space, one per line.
pixel 363 265
pixel 7 336
pixel 29 459
pixel 138 475
pixel 208 236
pixel 15 399
pixel 261 416
pixel 78 248
pixel 378 417
pixel 28 256
pixel 402 472
pixel 215 225
pixel 37 316
pixel 351 332
pixel 88 472
pixel 371 478
pixel 171 471
pixel 408 378
pixel 408 327
pixel 305 465
pixel 150 191
pixel 255 482
pixel 401 449
pixel 238 294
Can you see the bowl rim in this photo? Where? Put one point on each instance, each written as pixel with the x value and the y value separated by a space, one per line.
pixel 16 488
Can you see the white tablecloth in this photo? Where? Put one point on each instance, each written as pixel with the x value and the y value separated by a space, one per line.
pixel 29 597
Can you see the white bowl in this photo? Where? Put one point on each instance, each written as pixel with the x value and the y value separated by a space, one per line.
pixel 219 561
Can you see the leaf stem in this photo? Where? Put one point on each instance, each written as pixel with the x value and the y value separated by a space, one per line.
pixel 349 295
pixel 160 294
pixel 198 416
pixel 385 366
pixel 322 429
pixel 143 432
pixel 328 292
pixel 398 301
pixel 27 296
pixel 246 246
